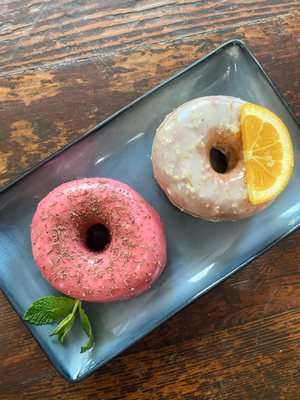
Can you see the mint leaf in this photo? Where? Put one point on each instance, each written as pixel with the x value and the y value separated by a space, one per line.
pixel 48 309
pixel 86 326
pixel 64 327
pixel 66 324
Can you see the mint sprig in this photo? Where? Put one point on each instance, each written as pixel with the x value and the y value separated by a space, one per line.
pixel 53 308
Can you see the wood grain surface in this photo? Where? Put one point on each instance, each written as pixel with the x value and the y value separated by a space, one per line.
pixel 65 65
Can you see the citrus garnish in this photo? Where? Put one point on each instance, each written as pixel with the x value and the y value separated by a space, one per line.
pixel 268 153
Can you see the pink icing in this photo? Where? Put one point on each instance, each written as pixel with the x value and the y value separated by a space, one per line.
pixel 127 267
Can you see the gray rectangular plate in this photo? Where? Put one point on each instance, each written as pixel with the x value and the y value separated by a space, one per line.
pixel 200 254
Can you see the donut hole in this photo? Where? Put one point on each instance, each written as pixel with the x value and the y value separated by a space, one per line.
pixel 218 160
pixel 221 160
pixel 98 237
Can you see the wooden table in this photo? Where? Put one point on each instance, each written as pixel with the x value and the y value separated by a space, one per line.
pixel 66 65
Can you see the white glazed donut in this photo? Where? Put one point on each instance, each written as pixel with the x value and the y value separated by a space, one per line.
pixel 182 159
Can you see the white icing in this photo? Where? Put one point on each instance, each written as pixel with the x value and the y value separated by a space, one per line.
pixel 180 156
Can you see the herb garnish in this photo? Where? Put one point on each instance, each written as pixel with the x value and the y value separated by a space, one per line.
pixel 49 309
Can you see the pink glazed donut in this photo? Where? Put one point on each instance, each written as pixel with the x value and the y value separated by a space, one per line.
pixel 98 240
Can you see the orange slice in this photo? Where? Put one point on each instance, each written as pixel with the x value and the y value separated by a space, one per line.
pixel 268 153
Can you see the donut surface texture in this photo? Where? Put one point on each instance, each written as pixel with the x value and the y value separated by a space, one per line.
pixel 128 265
pixel 181 158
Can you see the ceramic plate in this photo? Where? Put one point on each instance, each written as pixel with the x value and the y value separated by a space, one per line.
pixel 200 254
